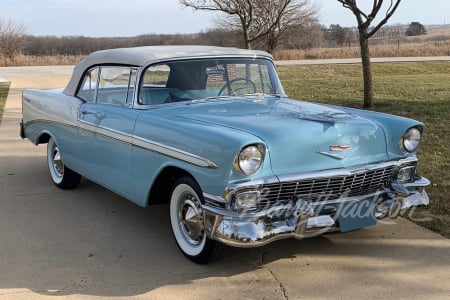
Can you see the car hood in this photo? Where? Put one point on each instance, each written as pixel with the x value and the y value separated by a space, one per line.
pixel 300 136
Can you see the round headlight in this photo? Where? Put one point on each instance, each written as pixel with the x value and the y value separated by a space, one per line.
pixel 249 160
pixel 410 140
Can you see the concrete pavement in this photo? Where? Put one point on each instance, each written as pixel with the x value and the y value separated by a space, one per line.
pixel 90 244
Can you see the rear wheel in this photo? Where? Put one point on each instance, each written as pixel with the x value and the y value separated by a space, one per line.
pixel 62 177
pixel 187 220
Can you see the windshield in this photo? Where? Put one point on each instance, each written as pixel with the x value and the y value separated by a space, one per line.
pixel 189 80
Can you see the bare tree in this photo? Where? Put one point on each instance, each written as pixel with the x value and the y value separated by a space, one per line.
pixel 260 18
pixel 283 16
pixel 365 32
pixel 12 38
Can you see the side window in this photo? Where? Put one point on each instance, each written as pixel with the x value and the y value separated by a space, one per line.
pixel 154 85
pixel 131 86
pixel 88 86
pixel 156 76
pixel 116 85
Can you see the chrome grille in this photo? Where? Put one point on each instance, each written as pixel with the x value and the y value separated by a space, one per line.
pixel 330 188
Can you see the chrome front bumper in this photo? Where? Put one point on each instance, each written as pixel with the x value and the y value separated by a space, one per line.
pixel 305 219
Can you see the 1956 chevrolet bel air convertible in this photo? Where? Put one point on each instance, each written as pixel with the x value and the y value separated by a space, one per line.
pixel 211 132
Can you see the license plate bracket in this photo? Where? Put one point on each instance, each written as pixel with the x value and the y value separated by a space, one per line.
pixel 356 215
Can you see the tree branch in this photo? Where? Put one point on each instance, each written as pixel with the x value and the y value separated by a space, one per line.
pixel 351 4
pixel 259 18
pixel 389 12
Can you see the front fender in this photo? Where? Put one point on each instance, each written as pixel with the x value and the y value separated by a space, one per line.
pixel 207 142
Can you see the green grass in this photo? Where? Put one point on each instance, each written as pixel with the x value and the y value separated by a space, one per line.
pixel 417 90
pixel 4 89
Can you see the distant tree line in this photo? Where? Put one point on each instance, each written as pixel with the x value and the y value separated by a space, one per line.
pixel 301 37
pixel 338 36
pixel 14 41
pixel 81 45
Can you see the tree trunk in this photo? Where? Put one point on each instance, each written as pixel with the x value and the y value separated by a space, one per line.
pixel 367 70
pixel 271 42
pixel 247 42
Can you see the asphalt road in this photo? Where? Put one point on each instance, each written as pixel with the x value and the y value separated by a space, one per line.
pixel 89 243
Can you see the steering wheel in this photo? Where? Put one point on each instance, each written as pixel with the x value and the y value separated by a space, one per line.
pixel 173 98
pixel 232 91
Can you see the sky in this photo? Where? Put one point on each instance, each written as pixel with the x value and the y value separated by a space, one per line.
pixel 112 18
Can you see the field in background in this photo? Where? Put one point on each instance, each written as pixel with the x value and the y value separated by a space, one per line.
pixel 435 43
pixel 390 50
pixel 29 60
pixel 416 90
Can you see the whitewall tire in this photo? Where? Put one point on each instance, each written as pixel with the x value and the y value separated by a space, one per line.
pixel 62 177
pixel 187 220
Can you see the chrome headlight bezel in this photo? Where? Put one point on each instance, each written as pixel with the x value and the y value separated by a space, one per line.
pixel 410 140
pixel 250 159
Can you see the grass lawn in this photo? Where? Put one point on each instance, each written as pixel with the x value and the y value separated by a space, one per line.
pixel 417 90
pixel 4 89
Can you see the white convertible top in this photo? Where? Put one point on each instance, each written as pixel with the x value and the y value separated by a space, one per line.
pixel 142 56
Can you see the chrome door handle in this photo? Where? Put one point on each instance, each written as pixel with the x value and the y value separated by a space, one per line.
pixel 86 112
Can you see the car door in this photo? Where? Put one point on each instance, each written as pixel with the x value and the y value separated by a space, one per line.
pixel 106 122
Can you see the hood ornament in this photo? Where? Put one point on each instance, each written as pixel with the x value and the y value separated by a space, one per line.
pixel 337 148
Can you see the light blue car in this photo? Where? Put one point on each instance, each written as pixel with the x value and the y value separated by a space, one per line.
pixel 210 132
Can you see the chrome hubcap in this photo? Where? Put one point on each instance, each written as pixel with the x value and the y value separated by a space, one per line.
pixel 191 221
pixel 58 165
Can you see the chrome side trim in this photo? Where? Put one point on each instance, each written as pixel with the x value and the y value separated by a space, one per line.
pixel 114 135
pixel 153 146
pixel 29 123
pixel 173 152
pixel 138 142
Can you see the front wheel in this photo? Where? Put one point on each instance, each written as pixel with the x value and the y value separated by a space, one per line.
pixel 63 177
pixel 187 220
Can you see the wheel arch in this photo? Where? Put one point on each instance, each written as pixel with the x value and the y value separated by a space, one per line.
pixel 44 137
pixel 162 185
